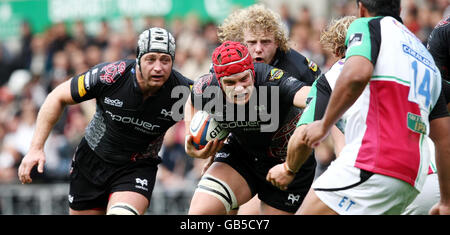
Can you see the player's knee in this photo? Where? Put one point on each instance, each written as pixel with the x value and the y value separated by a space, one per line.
pixel 219 190
pixel 122 209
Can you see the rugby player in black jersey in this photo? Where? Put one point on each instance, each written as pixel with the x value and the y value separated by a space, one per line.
pixel 259 105
pixel 266 38
pixel 439 47
pixel 114 167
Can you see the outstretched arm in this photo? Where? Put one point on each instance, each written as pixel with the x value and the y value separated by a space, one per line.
pixel 47 117
pixel 300 97
pixel 281 175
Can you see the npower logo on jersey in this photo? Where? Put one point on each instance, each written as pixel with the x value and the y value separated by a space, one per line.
pixel 132 120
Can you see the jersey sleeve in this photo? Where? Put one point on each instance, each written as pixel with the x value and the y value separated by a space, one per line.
pixel 311 73
pixel 446 90
pixel 317 101
pixel 205 89
pixel 364 38
pixel 440 109
pixel 439 47
pixel 85 86
pixel 90 84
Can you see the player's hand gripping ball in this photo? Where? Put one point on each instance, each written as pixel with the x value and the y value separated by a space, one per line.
pixel 204 129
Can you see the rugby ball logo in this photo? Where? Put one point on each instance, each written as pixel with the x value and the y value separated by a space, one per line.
pixel 204 129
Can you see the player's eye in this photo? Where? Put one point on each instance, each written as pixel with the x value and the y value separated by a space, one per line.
pixel 228 82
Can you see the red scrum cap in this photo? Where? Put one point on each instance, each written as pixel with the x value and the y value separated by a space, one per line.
pixel 231 58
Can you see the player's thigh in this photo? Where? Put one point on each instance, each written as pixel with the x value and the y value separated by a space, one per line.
pixel 251 207
pixel 426 199
pixel 131 201
pixel 312 205
pixel 219 188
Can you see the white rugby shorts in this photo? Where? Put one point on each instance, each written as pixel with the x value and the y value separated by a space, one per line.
pixel 351 191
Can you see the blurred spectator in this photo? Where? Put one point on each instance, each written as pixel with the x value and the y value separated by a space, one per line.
pixel 286 17
pixel 101 38
pixel 80 36
pixel 5 67
pixel 199 61
pixel 93 55
pixel 23 60
pixel 210 36
pixel 410 17
pixel 38 55
pixel 300 34
pixel 58 38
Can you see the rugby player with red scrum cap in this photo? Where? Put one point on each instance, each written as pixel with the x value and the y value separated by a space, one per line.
pixel 259 105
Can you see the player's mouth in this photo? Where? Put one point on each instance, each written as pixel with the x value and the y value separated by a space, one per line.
pixel 242 96
pixel 259 60
pixel 157 77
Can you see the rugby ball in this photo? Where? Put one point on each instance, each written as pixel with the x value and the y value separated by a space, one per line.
pixel 204 129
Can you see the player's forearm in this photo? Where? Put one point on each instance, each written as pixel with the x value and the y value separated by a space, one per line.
pixel 338 140
pixel 297 152
pixel 301 96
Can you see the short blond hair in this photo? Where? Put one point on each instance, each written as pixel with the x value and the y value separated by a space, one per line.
pixel 253 18
pixel 333 37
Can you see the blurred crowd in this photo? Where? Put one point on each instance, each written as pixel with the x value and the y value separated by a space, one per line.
pixel 64 50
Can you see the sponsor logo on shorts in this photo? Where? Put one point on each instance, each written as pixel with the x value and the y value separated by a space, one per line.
pixel 70 197
pixel 166 113
pixel 141 184
pixel 293 198
pixel 222 155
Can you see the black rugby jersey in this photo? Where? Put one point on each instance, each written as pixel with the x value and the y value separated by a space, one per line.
pixel 297 65
pixel 439 47
pixel 125 125
pixel 254 134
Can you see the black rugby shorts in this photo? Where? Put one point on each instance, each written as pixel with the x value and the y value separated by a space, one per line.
pixel 92 180
pixel 254 170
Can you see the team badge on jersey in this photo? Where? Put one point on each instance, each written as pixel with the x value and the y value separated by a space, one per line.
pixel 355 40
pixel 276 74
pixel 313 66
pixel 109 72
